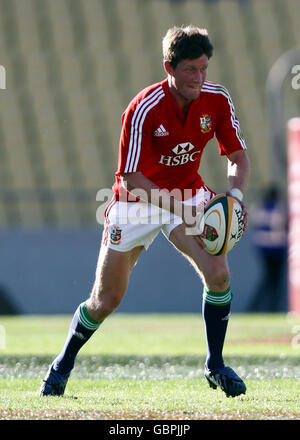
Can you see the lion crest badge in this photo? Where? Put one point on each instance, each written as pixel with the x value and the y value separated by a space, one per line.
pixel 205 123
pixel 116 235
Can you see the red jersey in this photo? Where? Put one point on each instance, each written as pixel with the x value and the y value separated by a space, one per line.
pixel 159 141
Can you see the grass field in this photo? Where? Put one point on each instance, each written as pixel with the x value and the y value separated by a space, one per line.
pixel 151 367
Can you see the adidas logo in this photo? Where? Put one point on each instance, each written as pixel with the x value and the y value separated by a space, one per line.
pixel 161 131
pixel 226 318
pixel 78 334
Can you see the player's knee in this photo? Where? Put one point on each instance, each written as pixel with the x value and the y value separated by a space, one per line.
pixel 102 308
pixel 218 280
pixel 105 303
pixel 108 306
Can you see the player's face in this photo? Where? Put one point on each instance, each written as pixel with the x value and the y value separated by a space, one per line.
pixel 186 80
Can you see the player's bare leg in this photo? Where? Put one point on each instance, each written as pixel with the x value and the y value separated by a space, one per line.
pixel 112 275
pixel 214 272
pixel 111 281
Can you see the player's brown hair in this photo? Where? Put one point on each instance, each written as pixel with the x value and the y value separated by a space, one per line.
pixel 185 42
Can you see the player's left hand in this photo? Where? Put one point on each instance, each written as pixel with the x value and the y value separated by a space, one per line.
pixel 244 211
pixel 200 241
pixel 245 215
pixel 199 229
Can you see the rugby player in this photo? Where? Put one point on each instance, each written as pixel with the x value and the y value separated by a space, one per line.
pixel 164 131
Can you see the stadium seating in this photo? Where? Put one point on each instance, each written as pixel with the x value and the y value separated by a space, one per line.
pixel 73 65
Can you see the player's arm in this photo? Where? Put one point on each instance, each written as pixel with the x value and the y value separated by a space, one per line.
pixel 238 170
pixel 232 144
pixel 147 191
pixel 238 175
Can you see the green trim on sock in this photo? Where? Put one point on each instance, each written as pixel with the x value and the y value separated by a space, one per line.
pixel 217 298
pixel 85 319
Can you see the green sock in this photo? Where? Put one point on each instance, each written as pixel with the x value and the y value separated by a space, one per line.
pixel 81 329
pixel 215 312
pixel 85 319
pixel 217 298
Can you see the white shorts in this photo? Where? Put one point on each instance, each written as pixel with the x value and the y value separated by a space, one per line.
pixel 131 224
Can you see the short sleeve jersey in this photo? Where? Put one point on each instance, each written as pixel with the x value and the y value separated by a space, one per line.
pixel 160 142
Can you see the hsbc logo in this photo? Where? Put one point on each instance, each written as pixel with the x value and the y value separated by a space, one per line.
pixel 186 147
pixel 182 156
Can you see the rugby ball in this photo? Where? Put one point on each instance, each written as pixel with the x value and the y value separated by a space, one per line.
pixel 222 224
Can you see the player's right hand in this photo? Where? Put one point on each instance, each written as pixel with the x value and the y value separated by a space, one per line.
pixel 196 229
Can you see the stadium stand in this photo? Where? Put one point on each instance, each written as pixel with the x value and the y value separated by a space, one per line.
pixel 73 65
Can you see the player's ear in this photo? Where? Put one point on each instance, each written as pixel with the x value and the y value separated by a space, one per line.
pixel 168 68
